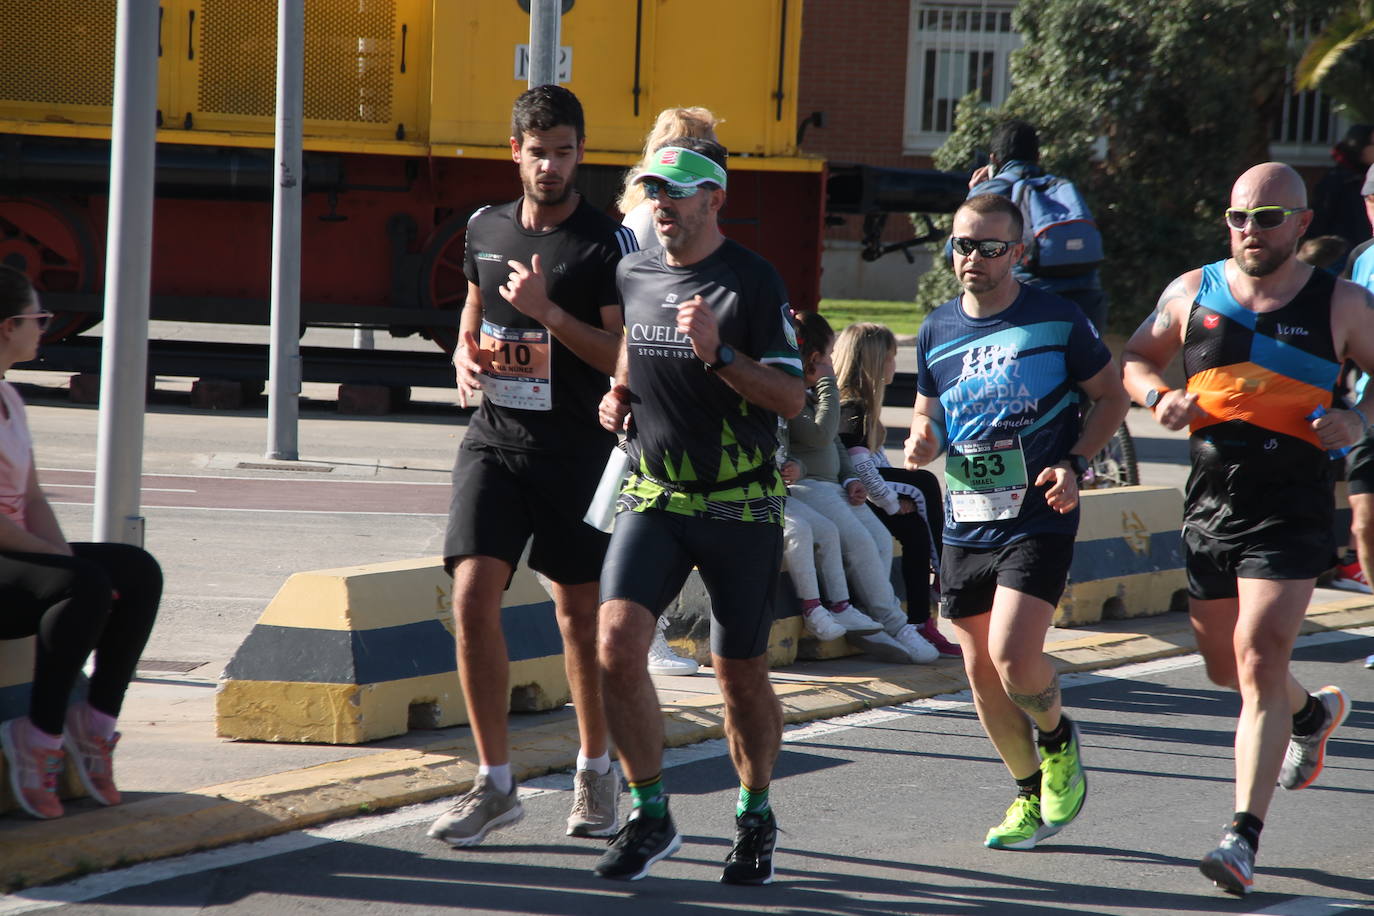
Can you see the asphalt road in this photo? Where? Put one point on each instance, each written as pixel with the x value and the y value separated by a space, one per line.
pixel 882 812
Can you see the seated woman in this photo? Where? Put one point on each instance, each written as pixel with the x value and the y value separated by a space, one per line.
pixel 831 488
pixel 77 598
pixel 910 504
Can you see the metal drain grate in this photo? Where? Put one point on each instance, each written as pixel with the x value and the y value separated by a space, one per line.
pixel 300 468
pixel 162 664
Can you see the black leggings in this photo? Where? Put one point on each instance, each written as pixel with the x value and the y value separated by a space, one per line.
pixel 69 603
pixel 914 532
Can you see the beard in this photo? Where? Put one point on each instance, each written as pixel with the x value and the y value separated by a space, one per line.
pixel 1259 262
pixel 978 284
pixel 550 197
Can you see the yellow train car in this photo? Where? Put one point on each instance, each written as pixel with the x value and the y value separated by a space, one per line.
pixel 407 108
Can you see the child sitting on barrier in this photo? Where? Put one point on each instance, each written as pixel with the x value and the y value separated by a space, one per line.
pixel 76 598
pixel 830 487
pixel 912 507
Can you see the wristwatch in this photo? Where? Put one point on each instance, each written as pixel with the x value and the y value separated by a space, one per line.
pixel 1153 395
pixel 1078 463
pixel 725 355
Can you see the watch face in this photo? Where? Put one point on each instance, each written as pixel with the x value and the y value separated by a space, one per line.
pixel 1152 397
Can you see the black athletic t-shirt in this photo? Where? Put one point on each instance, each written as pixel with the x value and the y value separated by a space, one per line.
pixel 538 395
pixel 689 428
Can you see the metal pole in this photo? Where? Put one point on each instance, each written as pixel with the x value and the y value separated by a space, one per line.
pixel 546 23
pixel 128 259
pixel 283 396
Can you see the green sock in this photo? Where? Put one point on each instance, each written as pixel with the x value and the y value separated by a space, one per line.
pixel 755 800
pixel 648 797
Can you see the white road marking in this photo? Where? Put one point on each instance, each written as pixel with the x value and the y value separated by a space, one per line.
pixel 94 886
pixel 57 502
pixel 407 483
pixel 91 486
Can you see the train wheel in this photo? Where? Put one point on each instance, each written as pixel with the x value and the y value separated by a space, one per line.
pixel 443 285
pixel 49 243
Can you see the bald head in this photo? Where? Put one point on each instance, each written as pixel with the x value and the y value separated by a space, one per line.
pixel 1270 184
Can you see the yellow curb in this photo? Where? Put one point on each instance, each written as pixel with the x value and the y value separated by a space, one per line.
pixel 42 852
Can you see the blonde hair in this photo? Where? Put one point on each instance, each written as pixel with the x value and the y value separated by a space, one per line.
pixel 860 358
pixel 671 122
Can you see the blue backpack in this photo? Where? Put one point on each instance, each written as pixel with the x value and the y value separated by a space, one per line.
pixel 1062 239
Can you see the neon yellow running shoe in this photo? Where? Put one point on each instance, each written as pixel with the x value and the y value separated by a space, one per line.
pixel 1064 785
pixel 1022 828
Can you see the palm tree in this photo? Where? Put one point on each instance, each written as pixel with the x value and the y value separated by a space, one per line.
pixel 1340 60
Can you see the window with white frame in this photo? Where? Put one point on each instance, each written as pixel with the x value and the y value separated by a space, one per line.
pixel 1307 127
pixel 954 47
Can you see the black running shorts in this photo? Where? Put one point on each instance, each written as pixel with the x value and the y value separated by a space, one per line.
pixel 1359 466
pixel 1280 552
pixel 1037 566
pixel 502 497
pixel 652 552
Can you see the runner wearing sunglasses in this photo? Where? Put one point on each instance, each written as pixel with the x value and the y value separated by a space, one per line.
pixel 1263 336
pixel 999 374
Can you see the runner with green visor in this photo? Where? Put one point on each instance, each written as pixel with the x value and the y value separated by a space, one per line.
pixel 679 172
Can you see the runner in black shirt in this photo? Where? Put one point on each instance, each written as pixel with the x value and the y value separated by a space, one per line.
pixel 710 361
pixel 540 334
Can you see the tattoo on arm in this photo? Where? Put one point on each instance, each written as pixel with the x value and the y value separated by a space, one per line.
pixel 1162 318
pixel 1037 702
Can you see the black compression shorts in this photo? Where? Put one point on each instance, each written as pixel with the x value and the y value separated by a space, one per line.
pixel 502 497
pixel 1359 466
pixel 1287 552
pixel 653 551
pixel 1037 566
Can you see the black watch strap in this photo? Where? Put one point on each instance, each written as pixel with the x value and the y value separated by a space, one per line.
pixel 1079 464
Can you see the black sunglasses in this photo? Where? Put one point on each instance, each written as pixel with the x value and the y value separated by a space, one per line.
pixel 675 191
pixel 988 248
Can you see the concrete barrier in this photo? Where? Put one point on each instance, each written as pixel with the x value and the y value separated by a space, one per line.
pixel 16 682
pixel 1128 559
pixel 344 656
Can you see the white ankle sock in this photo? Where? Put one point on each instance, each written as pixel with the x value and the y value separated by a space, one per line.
pixel 37 736
pixel 102 723
pixel 498 776
pixel 598 765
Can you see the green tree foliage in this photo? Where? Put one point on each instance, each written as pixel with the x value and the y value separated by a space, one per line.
pixel 1340 60
pixel 1182 91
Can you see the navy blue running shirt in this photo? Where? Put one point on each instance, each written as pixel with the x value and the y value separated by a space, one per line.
pixel 1011 378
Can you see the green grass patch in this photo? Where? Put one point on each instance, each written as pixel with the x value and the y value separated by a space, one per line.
pixel 904 318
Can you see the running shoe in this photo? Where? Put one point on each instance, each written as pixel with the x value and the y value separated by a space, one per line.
pixel 92 753
pixel 480 811
pixel 821 624
pixel 1350 577
pixel 32 770
pixel 930 630
pixel 751 858
pixel 881 646
pixel 921 652
pixel 662 658
pixel 1022 828
pixel 855 621
pixel 1307 753
pixel 1231 866
pixel 596 804
pixel 1064 784
pixel 639 844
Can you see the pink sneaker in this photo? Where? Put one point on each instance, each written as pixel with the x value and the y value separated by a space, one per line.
pixel 932 633
pixel 32 770
pixel 92 754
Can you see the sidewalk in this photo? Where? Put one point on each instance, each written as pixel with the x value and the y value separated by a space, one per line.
pixel 187 790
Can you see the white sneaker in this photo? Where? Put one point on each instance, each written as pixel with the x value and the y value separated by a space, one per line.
pixel 821 624
pixel 662 658
pixel 855 621
pixel 881 646
pixel 916 645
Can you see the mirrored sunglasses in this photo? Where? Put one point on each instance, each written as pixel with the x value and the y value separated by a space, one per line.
pixel 41 317
pixel 653 188
pixel 988 248
pixel 1264 217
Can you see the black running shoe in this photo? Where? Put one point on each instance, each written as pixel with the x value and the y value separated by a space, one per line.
pixel 751 859
pixel 639 844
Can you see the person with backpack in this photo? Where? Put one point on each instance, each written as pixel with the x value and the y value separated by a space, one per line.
pixel 1063 244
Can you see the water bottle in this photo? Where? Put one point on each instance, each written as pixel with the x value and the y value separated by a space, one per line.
pixel 1333 452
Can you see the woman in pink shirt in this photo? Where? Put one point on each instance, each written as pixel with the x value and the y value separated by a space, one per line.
pixel 76 598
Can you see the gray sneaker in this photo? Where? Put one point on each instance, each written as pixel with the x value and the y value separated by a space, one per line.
pixel 1307 753
pixel 480 811
pixel 596 804
pixel 1231 866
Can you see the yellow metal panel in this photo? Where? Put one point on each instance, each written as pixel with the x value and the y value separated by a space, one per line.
pixel 58 60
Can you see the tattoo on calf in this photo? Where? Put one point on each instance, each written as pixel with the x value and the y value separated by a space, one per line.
pixel 1037 702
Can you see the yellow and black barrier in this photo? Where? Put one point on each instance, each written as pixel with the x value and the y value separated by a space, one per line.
pixel 344 656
